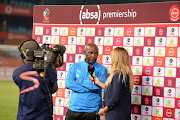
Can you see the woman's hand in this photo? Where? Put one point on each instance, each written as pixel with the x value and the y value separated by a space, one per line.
pixel 101 112
pixel 95 79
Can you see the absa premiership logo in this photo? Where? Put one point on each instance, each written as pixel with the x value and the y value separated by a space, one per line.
pixel 90 14
pixel 174 13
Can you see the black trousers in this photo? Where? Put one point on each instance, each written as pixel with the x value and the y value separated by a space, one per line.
pixel 72 115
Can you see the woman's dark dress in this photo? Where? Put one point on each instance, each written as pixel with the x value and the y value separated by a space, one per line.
pixel 118 99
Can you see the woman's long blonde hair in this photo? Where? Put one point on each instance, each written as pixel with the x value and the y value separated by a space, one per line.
pixel 120 63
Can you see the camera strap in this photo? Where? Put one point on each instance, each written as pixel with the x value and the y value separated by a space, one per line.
pixel 48 95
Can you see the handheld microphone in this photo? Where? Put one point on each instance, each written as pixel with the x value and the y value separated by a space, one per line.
pixel 91 71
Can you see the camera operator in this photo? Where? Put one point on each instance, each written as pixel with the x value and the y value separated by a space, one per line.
pixel 35 100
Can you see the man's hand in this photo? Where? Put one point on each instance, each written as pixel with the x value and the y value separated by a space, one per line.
pixel 91 91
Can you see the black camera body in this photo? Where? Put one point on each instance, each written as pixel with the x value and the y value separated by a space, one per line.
pixel 44 56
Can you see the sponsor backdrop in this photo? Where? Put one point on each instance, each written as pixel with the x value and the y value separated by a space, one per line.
pixel 149 32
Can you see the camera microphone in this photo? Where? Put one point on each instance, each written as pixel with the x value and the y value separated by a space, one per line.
pixel 91 71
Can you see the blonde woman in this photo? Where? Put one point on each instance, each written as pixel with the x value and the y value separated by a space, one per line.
pixel 118 87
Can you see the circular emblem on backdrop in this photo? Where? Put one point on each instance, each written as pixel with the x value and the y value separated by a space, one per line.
pixel 169 82
pixel 174 13
pixel 38 39
pixel 89 40
pixel 118 41
pixel 161 31
pixel 70 58
pixel 146 100
pixel 179 103
pixel 171 51
pixel 128 32
pixel 72 31
pixel 107 50
pixel 149 41
pixel 47 31
pixel 136 80
pixel 168 112
pixel 158 91
pixel 99 31
pixel 159 61
pixel 89 14
pixel 138 51
pixel 60 92
pixel 62 67
pixel 135 109
pixel 147 71
pixel 80 49
pixel 63 40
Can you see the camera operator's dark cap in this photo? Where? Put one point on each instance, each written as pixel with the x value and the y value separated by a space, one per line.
pixel 27 48
pixel 60 49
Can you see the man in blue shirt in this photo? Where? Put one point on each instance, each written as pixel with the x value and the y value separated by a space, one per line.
pixel 35 103
pixel 86 97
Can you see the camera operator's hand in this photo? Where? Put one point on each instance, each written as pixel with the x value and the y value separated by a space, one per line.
pixel 59 60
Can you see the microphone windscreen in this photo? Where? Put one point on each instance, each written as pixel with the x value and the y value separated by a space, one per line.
pixel 60 49
pixel 91 69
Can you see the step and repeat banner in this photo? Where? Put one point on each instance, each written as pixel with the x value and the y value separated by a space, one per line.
pixel 150 33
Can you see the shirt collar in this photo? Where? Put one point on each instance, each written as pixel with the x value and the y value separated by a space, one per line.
pixel 29 64
pixel 87 64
